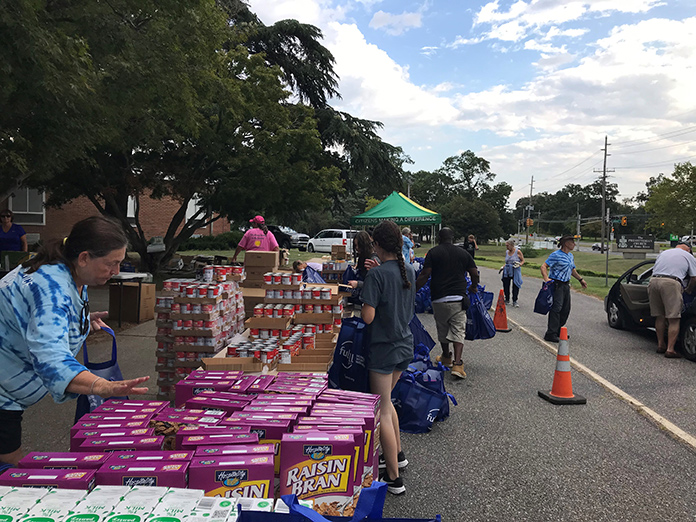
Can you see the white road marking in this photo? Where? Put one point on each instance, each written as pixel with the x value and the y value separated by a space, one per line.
pixel 674 430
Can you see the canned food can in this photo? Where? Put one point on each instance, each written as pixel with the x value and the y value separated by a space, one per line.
pixel 298 308
pixel 242 352
pixel 254 332
pixel 237 270
pixel 176 308
pixel 286 279
pixel 316 293
pixel 326 308
pixel 200 341
pixel 209 325
pixel 307 294
pixel 177 325
pixel 202 291
pixel 264 333
pixel 308 341
pixel 191 356
pixel 258 310
pixel 268 310
pixel 277 278
pixel 285 333
pixel 337 321
pixel 209 341
pixel 167 285
pixel 187 324
pixel 206 308
pixel 275 333
pixel 310 328
pixel 268 278
pixel 180 356
pixel 270 293
pixel 186 308
pixel 208 272
pixel 296 278
pixel 213 291
pixel 190 291
pixel 190 339
pixel 198 324
pixel 181 372
pixel 232 351
pixel 317 309
pixel 326 293
pixel 196 308
pixel 285 357
pixel 176 285
pixel 178 340
pixel 320 328
pixel 288 311
pixel 297 294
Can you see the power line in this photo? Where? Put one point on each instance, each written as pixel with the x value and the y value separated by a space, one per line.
pixel 657 148
pixel 670 162
pixel 665 136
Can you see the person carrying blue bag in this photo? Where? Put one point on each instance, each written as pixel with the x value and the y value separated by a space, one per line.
pixel 388 306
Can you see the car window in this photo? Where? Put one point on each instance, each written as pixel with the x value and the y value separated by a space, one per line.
pixel 323 234
pixel 351 234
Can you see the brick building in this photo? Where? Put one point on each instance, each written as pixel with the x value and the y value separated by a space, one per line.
pixel 46 223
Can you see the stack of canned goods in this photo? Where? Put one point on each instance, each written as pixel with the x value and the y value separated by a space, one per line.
pixel 282 278
pixel 220 272
pixel 275 311
pixel 334 265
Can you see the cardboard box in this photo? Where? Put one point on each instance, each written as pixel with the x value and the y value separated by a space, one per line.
pixel 170 474
pixel 55 505
pixel 45 478
pixel 138 302
pixel 16 502
pixel 233 476
pixel 260 258
pixel 62 460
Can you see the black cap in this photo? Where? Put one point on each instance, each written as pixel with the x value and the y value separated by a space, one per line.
pixel 687 243
pixel 565 238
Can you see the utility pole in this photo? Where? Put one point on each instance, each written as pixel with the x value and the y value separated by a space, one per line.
pixel 577 228
pixel 606 262
pixel 604 189
pixel 529 210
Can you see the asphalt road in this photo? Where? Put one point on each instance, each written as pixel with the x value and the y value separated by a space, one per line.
pixel 504 453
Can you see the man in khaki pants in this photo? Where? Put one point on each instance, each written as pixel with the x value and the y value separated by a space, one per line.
pixel 670 272
pixel 448 265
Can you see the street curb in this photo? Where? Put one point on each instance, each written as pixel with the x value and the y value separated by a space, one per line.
pixel 674 431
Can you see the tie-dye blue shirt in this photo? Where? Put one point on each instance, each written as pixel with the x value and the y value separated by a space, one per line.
pixel 40 317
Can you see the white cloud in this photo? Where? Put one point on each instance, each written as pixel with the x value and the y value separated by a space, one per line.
pixel 395 24
pixel 429 50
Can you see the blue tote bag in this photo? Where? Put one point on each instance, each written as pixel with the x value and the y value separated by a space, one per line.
pixel 108 370
pixel 420 334
pixel 479 324
pixel 311 276
pixel 369 509
pixel 349 368
pixel 416 405
pixel 544 299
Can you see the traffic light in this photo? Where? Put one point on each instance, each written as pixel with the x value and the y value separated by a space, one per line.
pixel 530 222
pixel 623 221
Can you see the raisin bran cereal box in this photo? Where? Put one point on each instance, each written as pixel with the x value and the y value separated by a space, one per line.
pixel 322 467
pixel 148 456
pixel 228 395
pixel 169 474
pixel 270 431
pixel 45 478
pixel 235 449
pixel 107 425
pixel 127 403
pixel 79 437
pixel 60 460
pixel 117 417
pixel 215 403
pixel 122 444
pixel 205 429
pixel 234 476
pixel 191 442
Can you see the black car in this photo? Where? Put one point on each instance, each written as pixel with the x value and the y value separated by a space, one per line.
pixel 628 307
pixel 289 238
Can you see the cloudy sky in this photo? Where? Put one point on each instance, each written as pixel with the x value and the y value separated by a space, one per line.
pixel 533 86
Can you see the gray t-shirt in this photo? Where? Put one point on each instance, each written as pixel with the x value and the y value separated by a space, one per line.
pixel 391 338
pixel 675 262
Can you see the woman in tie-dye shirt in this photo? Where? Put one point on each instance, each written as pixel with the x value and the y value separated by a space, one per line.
pixel 45 318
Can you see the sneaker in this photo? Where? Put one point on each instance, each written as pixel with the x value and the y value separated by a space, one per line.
pixel 551 338
pixel 458 370
pixel 444 359
pixel 515 304
pixel 394 486
pixel 507 302
pixel 401 457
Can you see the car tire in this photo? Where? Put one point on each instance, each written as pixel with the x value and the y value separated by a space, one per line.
pixel 310 248
pixel 687 335
pixel 615 316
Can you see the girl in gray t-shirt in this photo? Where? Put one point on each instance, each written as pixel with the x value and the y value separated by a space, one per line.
pixel 388 298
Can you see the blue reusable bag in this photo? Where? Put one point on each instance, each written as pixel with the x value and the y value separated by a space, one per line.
pixel 544 299
pixel 108 370
pixel 369 509
pixel 479 324
pixel 420 334
pixel 309 275
pixel 416 405
pixel 349 368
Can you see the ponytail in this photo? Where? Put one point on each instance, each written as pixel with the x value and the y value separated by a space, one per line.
pixel 97 235
pixel 388 235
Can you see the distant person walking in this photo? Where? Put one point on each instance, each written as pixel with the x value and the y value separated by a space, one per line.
pixel 559 267
pixel 512 272
pixel 12 236
pixel 672 269
pixel 407 249
pixel 258 237
pixel 448 266
pixel 471 246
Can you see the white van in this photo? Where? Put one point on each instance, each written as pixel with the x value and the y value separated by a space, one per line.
pixel 331 236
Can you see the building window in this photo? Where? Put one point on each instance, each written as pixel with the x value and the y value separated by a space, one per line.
pixel 27 205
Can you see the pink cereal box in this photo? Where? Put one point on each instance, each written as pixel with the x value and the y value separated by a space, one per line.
pixel 191 442
pixel 44 478
pixel 116 417
pixel 300 410
pixel 233 476
pixel 261 383
pixel 128 403
pixel 148 456
pixel 322 467
pixel 108 425
pixel 228 395
pixel 204 429
pixel 215 374
pixel 243 383
pixel 187 411
pixel 270 431
pixel 79 437
pixel 215 403
pixel 62 460
pixel 169 474
pixel 235 449
pixel 122 444
pixel 188 388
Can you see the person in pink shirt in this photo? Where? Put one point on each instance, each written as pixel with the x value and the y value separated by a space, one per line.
pixel 258 237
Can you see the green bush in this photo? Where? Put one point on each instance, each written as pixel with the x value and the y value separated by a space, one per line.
pixel 225 241
pixel 529 251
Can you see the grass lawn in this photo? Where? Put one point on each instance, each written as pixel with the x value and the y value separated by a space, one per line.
pixel 590 264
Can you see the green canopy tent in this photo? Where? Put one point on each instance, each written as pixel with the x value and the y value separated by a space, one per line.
pixel 400 209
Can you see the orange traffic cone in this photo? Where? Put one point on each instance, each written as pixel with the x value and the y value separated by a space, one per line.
pixel 562 388
pixel 500 317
